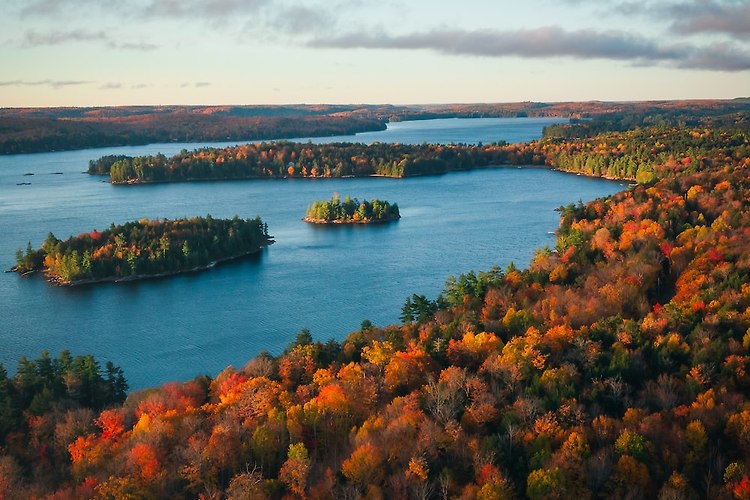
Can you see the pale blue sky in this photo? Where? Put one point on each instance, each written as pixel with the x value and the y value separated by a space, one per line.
pixel 121 52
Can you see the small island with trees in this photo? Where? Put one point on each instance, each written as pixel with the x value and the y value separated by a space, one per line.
pixel 351 211
pixel 144 249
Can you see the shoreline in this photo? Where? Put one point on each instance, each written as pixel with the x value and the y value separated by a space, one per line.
pixel 592 176
pixel 139 277
pixel 132 182
pixel 326 222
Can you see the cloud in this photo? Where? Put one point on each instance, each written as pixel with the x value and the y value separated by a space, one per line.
pixel 111 86
pixel 717 56
pixel 142 46
pixel 55 84
pixel 144 11
pixel 711 16
pixel 185 85
pixel 33 39
pixel 539 42
pixel 549 42
pixel 631 8
pixel 691 17
pixel 300 19
pixel 192 8
pixel 46 7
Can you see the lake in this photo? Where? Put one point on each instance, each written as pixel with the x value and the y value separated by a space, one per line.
pixel 327 279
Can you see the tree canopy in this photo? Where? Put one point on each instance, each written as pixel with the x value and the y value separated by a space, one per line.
pixel 351 210
pixel 144 248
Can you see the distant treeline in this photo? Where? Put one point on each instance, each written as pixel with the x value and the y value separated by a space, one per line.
pixel 616 115
pixel 39 134
pixel 351 211
pixel 29 130
pixel 144 248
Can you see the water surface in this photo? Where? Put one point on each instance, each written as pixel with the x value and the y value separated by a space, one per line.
pixel 327 279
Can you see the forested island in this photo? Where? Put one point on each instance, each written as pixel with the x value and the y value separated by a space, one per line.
pixel 617 365
pixel 351 211
pixel 296 160
pixel 144 249
pixel 630 155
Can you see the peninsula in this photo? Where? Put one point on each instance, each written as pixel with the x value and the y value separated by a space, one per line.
pixel 351 211
pixel 144 249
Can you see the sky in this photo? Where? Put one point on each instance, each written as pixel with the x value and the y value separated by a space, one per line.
pixel 151 52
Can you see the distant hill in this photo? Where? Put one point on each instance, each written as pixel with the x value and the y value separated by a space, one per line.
pixel 32 130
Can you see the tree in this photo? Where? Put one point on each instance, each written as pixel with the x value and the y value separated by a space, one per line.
pixel 364 466
pixel 542 484
pixel 295 470
pixel 116 385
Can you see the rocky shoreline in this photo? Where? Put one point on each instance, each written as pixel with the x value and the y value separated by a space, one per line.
pixel 311 220
pixel 136 277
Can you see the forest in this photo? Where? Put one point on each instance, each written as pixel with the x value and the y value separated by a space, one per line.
pixel 351 211
pixel 142 249
pixel 32 130
pixel 616 365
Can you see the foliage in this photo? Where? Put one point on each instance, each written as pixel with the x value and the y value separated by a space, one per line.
pixel 641 155
pixel 44 407
pixel 615 365
pixel 144 248
pixel 303 160
pixel 351 211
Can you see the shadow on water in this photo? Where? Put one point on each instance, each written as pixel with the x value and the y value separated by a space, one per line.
pixel 373 227
pixel 252 261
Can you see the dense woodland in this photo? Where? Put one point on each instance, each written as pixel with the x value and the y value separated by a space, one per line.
pixel 144 249
pixel 617 365
pixel 637 154
pixel 351 211
pixel 72 385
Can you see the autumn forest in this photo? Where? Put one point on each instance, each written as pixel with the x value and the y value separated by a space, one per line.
pixel 616 365
pixel 143 249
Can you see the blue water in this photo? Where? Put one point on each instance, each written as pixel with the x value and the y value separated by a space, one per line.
pixel 322 278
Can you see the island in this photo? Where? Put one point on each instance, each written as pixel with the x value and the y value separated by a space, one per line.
pixel 286 160
pixel 351 211
pixel 144 249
